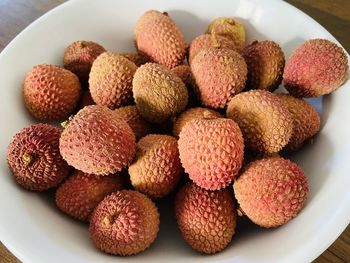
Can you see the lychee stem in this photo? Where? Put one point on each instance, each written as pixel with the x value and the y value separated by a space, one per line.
pixel 27 159
pixel 83 44
pixel 231 22
pixel 207 115
pixel 109 219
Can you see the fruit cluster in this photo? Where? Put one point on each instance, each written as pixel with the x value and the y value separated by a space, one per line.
pixel 139 123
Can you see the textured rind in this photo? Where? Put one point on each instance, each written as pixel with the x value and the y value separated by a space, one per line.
pixel 79 56
pixel 135 57
pixel 230 28
pixel 47 167
pixel 211 151
pixel 159 94
pixel 124 223
pixel 265 62
pixel 271 191
pixel 110 80
pixel 51 92
pixel 158 37
pixel 219 75
pixel 132 117
pixel 193 114
pixel 306 121
pixel 81 193
pixel 209 41
pixel 185 74
pixel 156 169
pixel 264 119
pixel 97 142
pixel 206 219
pixel 316 68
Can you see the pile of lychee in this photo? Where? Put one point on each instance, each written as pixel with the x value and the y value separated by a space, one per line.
pixel 200 120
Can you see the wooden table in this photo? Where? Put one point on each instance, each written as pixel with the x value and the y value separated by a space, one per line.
pixel 334 15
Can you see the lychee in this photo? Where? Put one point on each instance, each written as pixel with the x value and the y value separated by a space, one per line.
pixel 211 151
pixel 306 121
pixel 159 94
pixel 125 223
pixel 34 158
pixel 95 141
pixel 51 92
pixel 265 62
pixel 158 37
pixel 271 191
pixel 80 193
pixel 110 80
pixel 156 168
pixel 316 68
pixel 206 219
pixel 79 56
pixel 219 75
pixel 264 119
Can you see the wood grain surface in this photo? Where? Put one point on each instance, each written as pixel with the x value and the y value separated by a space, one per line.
pixel 334 15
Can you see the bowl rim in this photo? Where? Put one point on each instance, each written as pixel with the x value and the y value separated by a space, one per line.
pixel 330 234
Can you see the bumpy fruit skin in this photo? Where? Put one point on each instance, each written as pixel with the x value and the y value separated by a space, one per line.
pixel 124 223
pixel 230 28
pixel 81 193
pixel 209 41
pixel 211 151
pixel 219 75
pixel 265 62
pixel 158 37
pixel 271 191
pixel 316 68
pixel 206 219
pixel 34 158
pixel 96 142
pixel 184 73
pixel 51 92
pixel 110 80
pixel 156 169
pixel 132 117
pixel 306 121
pixel 264 119
pixel 135 57
pixel 193 114
pixel 79 56
pixel 159 94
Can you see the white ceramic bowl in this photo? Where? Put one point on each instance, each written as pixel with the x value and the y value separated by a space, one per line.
pixel 33 229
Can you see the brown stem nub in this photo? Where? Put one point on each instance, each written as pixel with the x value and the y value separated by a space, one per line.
pixel 207 115
pixel 109 220
pixel 27 159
